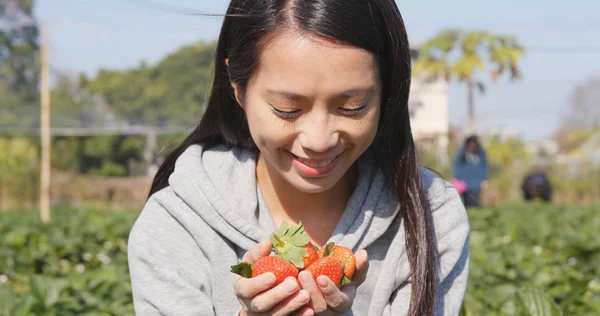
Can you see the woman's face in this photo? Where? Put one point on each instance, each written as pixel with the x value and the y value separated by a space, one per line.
pixel 313 108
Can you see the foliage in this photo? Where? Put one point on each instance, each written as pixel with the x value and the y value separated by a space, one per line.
pixel 540 247
pixel 19 45
pixel 173 92
pixel 18 166
pixel 459 54
pixel 76 265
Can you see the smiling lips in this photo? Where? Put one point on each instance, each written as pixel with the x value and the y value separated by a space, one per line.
pixel 314 168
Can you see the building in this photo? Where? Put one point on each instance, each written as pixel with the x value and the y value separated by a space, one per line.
pixel 428 106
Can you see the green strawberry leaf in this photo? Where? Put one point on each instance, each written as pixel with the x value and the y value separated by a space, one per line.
pixel 345 281
pixel 289 243
pixel 283 229
pixel 301 240
pixel 243 268
pixel 298 230
pixel 328 249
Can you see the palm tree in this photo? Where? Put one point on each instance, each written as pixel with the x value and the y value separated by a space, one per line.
pixel 457 54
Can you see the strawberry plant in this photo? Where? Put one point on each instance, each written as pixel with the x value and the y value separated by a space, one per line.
pixel 533 259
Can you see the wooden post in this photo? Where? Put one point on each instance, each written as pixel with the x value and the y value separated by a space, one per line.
pixel 45 128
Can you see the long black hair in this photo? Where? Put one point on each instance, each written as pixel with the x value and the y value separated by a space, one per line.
pixel 373 25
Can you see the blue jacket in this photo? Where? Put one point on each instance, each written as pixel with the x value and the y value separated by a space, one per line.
pixel 469 172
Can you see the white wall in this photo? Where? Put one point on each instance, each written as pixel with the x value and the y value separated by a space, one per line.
pixel 429 104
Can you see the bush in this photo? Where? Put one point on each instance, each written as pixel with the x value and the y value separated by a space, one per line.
pixel 532 259
pixel 76 265
pixel 538 246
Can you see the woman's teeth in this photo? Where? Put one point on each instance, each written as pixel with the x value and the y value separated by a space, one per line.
pixel 315 164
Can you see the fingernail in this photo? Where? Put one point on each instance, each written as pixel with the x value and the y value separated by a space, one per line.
pixel 322 282
pixel 305 277
pixel 310 312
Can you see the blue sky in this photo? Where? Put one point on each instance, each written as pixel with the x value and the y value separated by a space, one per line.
pixel 563 39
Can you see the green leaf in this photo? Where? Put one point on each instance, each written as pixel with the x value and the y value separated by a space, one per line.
pixel 283 229
pixel 289 243
pixel 328 249
pixel 39 288
pixel 345 281
pixel 534 302
pixel 301 241
pixel 8 299
pixel 243 268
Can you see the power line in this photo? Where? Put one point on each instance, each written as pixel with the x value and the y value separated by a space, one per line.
pixel 169 8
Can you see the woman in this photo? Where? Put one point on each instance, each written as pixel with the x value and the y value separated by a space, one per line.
pixel 471 167
pixel 307 121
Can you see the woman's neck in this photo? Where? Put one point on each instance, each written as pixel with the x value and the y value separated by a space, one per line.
pixel 319 212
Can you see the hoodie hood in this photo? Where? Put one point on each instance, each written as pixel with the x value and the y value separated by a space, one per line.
pixel 219 185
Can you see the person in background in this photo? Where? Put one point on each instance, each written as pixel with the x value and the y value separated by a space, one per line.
pixel 471 167
pixel 537 186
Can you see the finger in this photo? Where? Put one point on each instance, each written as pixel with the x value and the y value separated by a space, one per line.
pixel 317 301
pixel 335 298
pixel 362 267
pixel 267 300
pixel 249 288
pixel 291 304
pixel 306 311
pixel 260 250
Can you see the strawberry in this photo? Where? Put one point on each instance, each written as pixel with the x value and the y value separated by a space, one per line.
pixel 342 253
pixel 329 267
pixel 281 268
pixel 293 245
pixel 313 255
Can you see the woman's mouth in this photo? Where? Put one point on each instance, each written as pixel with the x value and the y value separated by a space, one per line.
pixel 314 168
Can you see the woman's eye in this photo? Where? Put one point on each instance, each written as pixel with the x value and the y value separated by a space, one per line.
pixel 353 112
pixel 286 114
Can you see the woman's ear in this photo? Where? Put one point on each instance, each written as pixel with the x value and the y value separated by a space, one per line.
pixel 236 89
pixel 238 94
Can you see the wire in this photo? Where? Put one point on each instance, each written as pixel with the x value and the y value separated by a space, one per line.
pixel 169 8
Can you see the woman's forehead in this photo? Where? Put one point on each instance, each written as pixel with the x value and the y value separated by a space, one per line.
pixel 303 64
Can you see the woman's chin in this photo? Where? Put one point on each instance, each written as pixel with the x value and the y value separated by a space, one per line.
pixel 312 185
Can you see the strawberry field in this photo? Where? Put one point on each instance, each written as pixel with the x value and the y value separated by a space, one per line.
pixel 526 260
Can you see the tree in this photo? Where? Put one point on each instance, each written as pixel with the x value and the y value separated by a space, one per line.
pixel 460 55
pixel 19 71
pixel 583 117
pixel 19 48
pixel 173 92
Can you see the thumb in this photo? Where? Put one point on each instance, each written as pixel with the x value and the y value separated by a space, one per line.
pixel 362 267
pixel 260 250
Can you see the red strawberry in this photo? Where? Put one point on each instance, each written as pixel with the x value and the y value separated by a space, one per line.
pixel 313 255
pixel 329 267
pixel 277 266
pixel 273 264
pixel 346 256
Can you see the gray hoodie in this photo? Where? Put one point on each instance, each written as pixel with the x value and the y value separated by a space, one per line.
pixel 190 233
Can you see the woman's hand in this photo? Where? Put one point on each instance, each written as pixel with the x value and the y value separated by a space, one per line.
pixel 258 298
pixel 326 298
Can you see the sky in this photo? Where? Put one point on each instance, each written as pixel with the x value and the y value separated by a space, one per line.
pixel 562 37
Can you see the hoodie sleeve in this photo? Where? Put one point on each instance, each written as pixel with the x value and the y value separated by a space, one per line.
pixel 451 227
pixel 168 271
